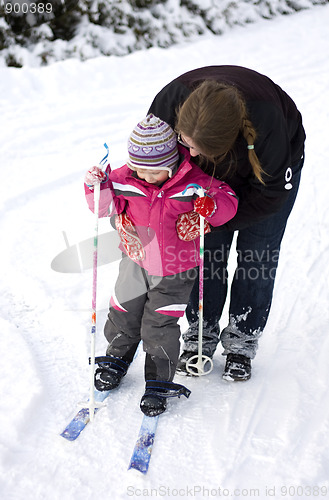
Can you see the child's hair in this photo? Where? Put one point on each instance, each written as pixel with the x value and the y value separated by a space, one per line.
pixel 213 116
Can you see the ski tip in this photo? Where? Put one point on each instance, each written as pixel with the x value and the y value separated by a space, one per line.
pixel 136 469
pixel 69 436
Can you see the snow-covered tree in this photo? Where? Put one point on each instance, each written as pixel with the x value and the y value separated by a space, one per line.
pixel 43 31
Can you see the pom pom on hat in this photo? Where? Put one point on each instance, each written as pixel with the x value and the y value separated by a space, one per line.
pixel 152 145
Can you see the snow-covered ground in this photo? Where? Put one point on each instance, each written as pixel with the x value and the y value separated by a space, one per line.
pixel 264 438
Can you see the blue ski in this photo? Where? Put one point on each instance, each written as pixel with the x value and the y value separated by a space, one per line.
pixel 141 456
pixel 82 418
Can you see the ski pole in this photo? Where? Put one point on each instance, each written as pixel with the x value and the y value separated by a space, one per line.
pixel 200 364
pixel 92 405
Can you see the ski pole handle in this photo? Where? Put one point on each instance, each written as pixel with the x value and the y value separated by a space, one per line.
pixel 197 188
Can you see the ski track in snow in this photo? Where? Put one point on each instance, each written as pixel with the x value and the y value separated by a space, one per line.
pixel 269 432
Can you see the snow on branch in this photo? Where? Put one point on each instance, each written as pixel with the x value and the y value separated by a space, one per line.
pixel 39 32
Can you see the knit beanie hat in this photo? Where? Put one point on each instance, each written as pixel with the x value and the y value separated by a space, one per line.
pixel 153 145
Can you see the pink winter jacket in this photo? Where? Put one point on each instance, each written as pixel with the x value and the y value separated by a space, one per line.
pixel 154 211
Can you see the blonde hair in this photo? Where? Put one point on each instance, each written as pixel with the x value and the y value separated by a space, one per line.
pixel 213 116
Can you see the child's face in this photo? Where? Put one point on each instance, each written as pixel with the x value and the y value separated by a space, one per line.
pixel 155 177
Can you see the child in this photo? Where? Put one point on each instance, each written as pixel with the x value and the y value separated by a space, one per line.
pixel 156 224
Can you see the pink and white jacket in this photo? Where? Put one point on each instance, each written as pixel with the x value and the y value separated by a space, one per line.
pixel 154 211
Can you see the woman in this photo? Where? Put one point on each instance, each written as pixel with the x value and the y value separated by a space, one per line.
pixel 244 129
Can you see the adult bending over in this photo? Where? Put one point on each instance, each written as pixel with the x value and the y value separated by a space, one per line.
pixel 244 129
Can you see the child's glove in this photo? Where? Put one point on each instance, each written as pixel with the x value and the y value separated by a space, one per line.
pixel 95 175
pixel 188 226
pixel 129 237
pixel 205 206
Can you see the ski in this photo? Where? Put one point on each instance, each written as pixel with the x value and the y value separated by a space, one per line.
pixel 141 455
pixel 73 430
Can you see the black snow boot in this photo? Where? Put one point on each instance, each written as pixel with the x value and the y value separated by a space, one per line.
pixel 183 359
pixel 154 400
pixel 237 368
pixel 153 405
pixel 109 373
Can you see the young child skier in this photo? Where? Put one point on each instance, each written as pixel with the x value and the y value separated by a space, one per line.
pixel 157 221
